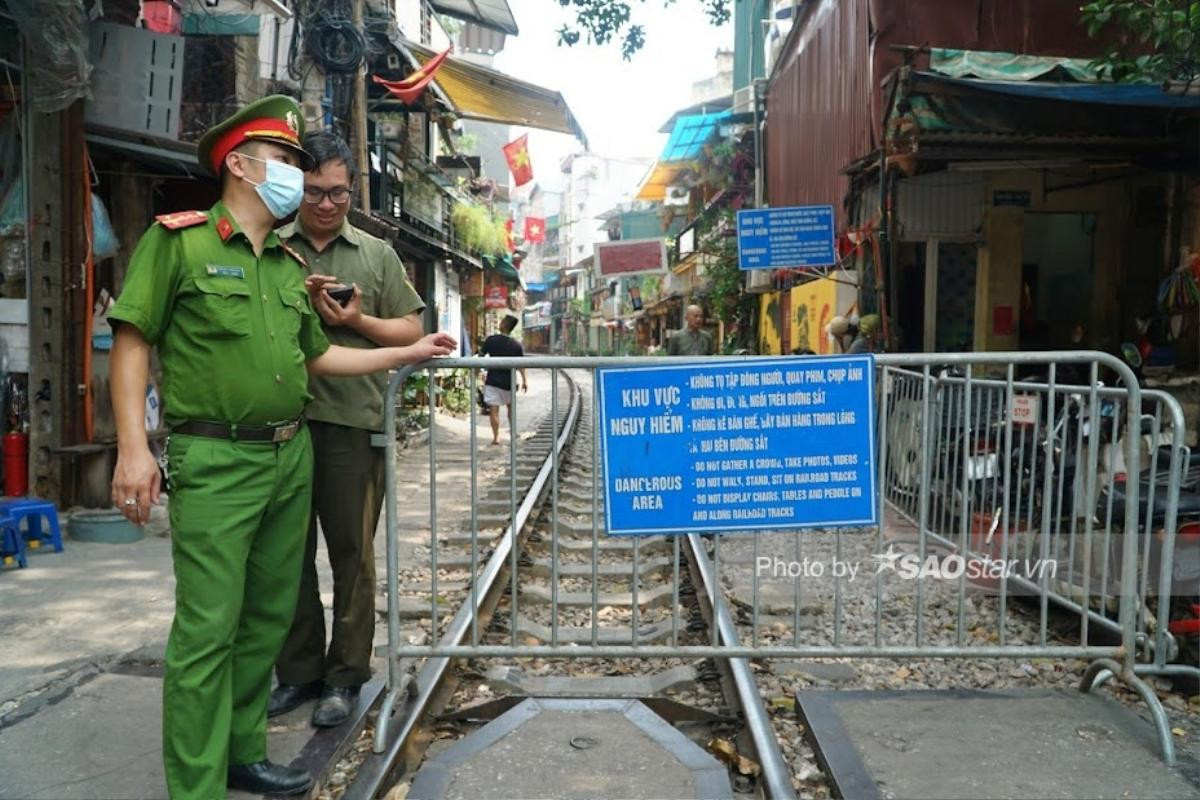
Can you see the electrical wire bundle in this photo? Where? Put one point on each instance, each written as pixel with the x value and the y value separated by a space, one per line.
pixel 333 42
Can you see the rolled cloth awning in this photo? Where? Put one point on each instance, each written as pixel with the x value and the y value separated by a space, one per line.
pixel 476 92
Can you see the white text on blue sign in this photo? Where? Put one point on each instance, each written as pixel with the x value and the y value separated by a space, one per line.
pixel 779 443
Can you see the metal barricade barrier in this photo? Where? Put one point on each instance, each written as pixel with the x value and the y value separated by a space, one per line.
pixel 998 508
pixel 962 488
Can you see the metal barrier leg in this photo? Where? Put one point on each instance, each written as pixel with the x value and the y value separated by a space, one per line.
pixel 385 718
pixel 1096 675
pixel 394 679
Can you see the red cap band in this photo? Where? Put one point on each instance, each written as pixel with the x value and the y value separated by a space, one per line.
pixel 267 128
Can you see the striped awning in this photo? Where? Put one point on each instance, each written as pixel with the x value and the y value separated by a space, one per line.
pixel 662 176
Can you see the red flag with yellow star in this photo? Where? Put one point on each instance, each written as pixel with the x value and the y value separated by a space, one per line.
pixel 535 230
pixel 412 87
pixel 516 153
pixel 509 243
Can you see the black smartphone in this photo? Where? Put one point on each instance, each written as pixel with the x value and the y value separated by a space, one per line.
pixel 342 294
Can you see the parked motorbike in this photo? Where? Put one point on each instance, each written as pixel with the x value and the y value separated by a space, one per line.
pixel 1183 620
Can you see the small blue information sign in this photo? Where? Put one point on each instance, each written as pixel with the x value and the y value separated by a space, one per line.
pixel 739 445
pixel 781 238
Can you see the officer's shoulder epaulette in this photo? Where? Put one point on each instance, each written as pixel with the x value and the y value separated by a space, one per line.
pixel 291 251
pixel 182 219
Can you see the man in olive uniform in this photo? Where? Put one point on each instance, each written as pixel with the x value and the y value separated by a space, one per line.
pixel 348 484
pixel 693 340
pixel 226 304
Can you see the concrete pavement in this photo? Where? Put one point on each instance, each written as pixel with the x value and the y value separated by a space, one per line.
pixel 84 632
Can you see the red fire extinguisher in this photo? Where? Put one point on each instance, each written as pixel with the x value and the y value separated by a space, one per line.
pixel 16 464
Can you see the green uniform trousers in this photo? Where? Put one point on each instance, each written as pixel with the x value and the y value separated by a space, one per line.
pixel 238 515
pixel 348 490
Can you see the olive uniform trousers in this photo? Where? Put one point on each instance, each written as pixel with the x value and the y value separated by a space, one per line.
pixel 348 490
pixel 238 515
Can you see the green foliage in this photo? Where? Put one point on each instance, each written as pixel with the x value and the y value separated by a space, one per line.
pixel 1154 41
pixel 415 390
pixel 602 21
pixel 727 300
pixel 478 228
pixel 450 25
pixel 579 308
pixel 467 144
pixel 652 285
pixel 455 389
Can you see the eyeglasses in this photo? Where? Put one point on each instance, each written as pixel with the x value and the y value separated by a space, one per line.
pixel 314 195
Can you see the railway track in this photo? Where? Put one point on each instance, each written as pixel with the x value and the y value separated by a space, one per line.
pixel 540 539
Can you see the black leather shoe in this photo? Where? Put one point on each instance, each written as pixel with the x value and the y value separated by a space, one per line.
pixel 264 777
pixel 337 703
pixel 286 696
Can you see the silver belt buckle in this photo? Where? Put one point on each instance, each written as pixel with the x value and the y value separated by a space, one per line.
pixel 285 433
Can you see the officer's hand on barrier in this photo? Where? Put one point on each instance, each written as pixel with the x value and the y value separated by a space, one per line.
pixel 435 344
pixel 136 484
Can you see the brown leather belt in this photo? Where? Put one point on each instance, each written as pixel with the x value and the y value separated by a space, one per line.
pixel 241 433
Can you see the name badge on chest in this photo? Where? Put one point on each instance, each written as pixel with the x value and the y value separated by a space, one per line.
pixel 226 272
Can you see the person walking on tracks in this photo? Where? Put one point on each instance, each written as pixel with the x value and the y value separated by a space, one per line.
pixel 348 480
pixel 497 386
pixel 224 301
pixel 693 340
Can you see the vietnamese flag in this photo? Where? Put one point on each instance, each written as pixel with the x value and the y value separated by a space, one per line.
pixel 516 153
pixel 508 236
pixel 411 88
pixel 535 229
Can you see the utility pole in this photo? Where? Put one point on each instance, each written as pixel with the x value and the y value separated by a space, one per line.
pixel 360 117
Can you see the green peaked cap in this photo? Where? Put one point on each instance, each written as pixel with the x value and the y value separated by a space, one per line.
pixel 275 119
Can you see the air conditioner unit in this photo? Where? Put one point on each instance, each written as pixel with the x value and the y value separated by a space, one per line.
pixel 743 100
pixel 759 281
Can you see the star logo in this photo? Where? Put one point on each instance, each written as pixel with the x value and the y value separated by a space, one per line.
pixel 521 158
pixel 886 561
pixel 292 121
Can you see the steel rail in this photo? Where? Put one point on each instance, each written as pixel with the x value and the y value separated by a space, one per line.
pixel 378 766
pixel 777 776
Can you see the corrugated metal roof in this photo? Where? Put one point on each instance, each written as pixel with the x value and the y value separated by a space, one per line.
pixel 819 106
pixel 480 93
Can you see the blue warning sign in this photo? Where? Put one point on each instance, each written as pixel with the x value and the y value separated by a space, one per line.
pixel 739 445
pixel 794 237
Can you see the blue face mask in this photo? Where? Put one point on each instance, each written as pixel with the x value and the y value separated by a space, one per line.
pixel 281 189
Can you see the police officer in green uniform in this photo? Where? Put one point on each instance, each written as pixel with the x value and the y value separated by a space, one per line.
pixel 225 303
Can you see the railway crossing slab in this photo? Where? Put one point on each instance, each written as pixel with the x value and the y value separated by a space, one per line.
pixel 571 748
pixel 969 744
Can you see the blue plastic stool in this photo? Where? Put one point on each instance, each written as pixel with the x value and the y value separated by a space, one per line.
pixel 12 546
pixel 33 511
